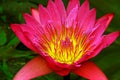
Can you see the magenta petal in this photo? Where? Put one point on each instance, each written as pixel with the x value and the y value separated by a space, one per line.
pixel 72 4
pixel 61 9
pixel 89 21
pixel 34 68
pixel 109 19
pixel 18 31
pixel 31 21
pixel 83 11
pixel 71 17
pixel 44 15
pixel 53 11
pixel 107 40
pixel 110 38
pixel 102 24
pixel 35 14
pixel 90 71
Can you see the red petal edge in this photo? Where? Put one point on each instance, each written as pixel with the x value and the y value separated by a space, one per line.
pixel 90 71
pixel 20 34
pixel 34 68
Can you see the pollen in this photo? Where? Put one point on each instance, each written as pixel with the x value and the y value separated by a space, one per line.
pixel 66 45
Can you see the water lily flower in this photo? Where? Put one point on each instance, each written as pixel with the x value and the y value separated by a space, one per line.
pixel 65 40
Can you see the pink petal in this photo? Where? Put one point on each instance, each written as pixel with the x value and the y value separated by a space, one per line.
pixel 53 11
pixel 34 68
pixel 61 9
pixel 109 16
pixel 110 38
pixel 83 11
pixel 18 31
pixel 34 35
pixel 32 24
pixel 107 40
pixel 89 21
pixel 35 14
pixel 30 33
pixel 31 21
pixel 59 68
pixel 71 17
pixel 99 29
pixel 72 4
pixel 90 71
pixel 97 32
pixel 44 15
pixel 34 27
pixel 102 24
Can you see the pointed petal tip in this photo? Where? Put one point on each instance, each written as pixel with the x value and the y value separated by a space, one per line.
pixel 34 68
pixel 93 11
pixel 49 2
pixel 110 16
pixel 35 14
pixel 11 25
pixel 90 71
pixel 39 6
pixel 72 4
pixel 32 9
pixel 14 27
pixel 86 2
pixel 110 38
pixel 24 14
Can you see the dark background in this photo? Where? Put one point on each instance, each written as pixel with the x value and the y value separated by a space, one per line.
pixel 13 54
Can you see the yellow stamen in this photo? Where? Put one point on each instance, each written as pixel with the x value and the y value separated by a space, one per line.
pixel 67 47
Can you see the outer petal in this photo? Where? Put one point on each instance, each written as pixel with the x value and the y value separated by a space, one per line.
pixel 107 40
pixel 36 67
pixel 61 9
pixel 109 16
pixel 31 34
pixel 44 15
pixel 102 24
pixel 18 31
pixel 35 14
pixel 90 71
pixel 72 4
pixel 71 17
pixel 83 11
pixel 31 21
pixel 33 24
pixel 53 11
pixel 89 21
pixel 59 68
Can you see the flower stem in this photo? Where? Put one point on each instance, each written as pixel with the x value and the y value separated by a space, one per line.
pixel 67 77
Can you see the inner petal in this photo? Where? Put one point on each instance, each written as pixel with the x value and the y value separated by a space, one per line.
pixel 67 47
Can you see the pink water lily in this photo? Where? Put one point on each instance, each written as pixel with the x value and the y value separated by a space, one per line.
pixel 65 40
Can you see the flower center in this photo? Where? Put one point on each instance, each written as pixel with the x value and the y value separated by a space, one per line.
pixel 66 46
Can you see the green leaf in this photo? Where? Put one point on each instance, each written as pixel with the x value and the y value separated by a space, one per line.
pixel 6 70
pixel 3 38
pixel 108 6
pixel 20 17
pixel 1 10
pixel 108 60
pixel 13 42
